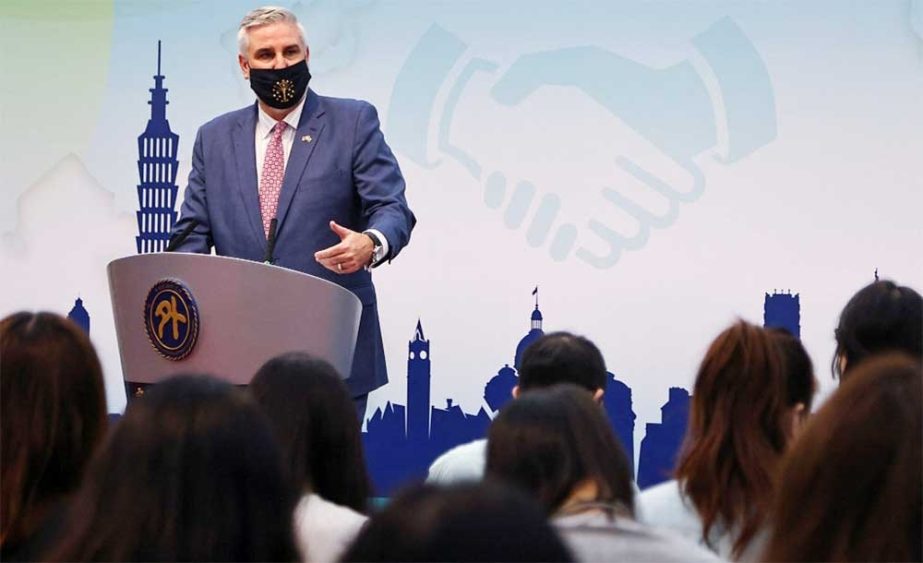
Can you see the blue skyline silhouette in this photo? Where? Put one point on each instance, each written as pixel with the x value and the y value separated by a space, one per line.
pixel 662 440
pixel 157 167
pixel 401 441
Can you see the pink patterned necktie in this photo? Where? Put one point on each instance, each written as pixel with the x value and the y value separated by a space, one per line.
pixel 273 173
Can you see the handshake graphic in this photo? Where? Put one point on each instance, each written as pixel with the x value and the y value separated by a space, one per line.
pixel 584 149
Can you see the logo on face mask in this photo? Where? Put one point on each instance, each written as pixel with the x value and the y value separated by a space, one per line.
pixel 280 88
pixel 283 91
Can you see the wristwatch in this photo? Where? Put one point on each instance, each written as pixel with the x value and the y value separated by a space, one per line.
pixel 378 251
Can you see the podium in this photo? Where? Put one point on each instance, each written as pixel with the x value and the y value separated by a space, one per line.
pixel 195 313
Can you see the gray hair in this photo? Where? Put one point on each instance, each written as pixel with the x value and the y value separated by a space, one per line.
pixel 265 16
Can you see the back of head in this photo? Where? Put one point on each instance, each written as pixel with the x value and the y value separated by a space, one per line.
pixel 191 472
pixel 562 357
pixel 737 431
pixel 466 522
pixel 799 370
pixel 881 317
pixel 551 441
pixel 850 488
pixel 52 417
pixel 315 423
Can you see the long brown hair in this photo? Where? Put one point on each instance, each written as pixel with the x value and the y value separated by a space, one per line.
pixel 315 424
pixel 52 417
pixel 190 473
pixel 850 487
pixel 736 432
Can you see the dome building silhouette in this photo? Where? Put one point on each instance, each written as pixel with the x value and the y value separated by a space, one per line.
pixel 534 333
pixel 499 390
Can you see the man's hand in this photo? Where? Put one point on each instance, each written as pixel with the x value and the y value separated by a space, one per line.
pixel 353 252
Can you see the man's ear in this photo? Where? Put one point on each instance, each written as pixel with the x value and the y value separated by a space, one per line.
pixel 515 392
pixel 307 54
pixel 598 395
pixel 244 66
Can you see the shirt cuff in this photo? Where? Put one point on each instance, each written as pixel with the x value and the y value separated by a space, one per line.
pixel 385 248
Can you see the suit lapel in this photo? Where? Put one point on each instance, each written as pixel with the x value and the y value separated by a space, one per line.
pixel 306 138
pixel 245 153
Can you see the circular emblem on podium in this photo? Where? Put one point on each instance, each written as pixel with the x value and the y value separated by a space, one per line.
pixel 171 319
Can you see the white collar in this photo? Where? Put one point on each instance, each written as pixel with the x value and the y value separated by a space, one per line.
pixel 266 123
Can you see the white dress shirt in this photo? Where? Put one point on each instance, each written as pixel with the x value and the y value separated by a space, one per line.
pixel 264 127
pixel 323 530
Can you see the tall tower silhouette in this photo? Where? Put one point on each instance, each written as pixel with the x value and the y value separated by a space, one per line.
pixel 157 167
pixel 79 315
pixel 535 332
pixel 418 381
pixel 783 310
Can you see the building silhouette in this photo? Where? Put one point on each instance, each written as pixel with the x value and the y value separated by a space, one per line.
pixel 418 386
pixel 618 405
pixel 402 441
pixel 80 316
pixel 783 310
pixel 534 333
pixel 663 439
pixel 157 167
pixel 499 389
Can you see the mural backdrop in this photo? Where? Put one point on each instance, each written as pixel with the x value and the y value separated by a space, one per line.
pixel 639 172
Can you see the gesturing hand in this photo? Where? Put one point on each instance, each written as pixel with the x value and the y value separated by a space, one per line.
pixel 354 251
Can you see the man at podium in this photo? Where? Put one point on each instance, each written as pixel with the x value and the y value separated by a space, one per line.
pixel 304 181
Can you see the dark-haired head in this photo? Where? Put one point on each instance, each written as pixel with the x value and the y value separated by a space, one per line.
pixel 465 522
pixel 53 415
pixel 314 420
pixel 741 419
pixel 556 444
pixel 881 317
pixel 190 473
pixel 850 487
pixel 562 357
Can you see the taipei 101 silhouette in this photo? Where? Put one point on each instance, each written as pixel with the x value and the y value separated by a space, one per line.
pixel 157 167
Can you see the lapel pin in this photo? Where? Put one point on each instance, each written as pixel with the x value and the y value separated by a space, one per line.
pixel 307 139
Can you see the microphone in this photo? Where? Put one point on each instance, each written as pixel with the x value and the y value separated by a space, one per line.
pixel 271 241
pixel 182 236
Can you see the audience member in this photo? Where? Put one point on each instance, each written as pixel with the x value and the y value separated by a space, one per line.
pixel 314 419
pixel 557 445
pixel 558 357
pixel 462 522
pixel 743 414
pixel 52 417
pixel 850 488
pixel 881 317
pixel 800 381
pixel 190 473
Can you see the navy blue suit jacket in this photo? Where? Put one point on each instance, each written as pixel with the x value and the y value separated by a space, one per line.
pixel 345 173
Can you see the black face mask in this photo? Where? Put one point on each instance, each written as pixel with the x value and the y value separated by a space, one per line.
pixel 281 88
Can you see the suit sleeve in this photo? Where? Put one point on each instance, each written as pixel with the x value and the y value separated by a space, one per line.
pixel 195 207
pixel 379 183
